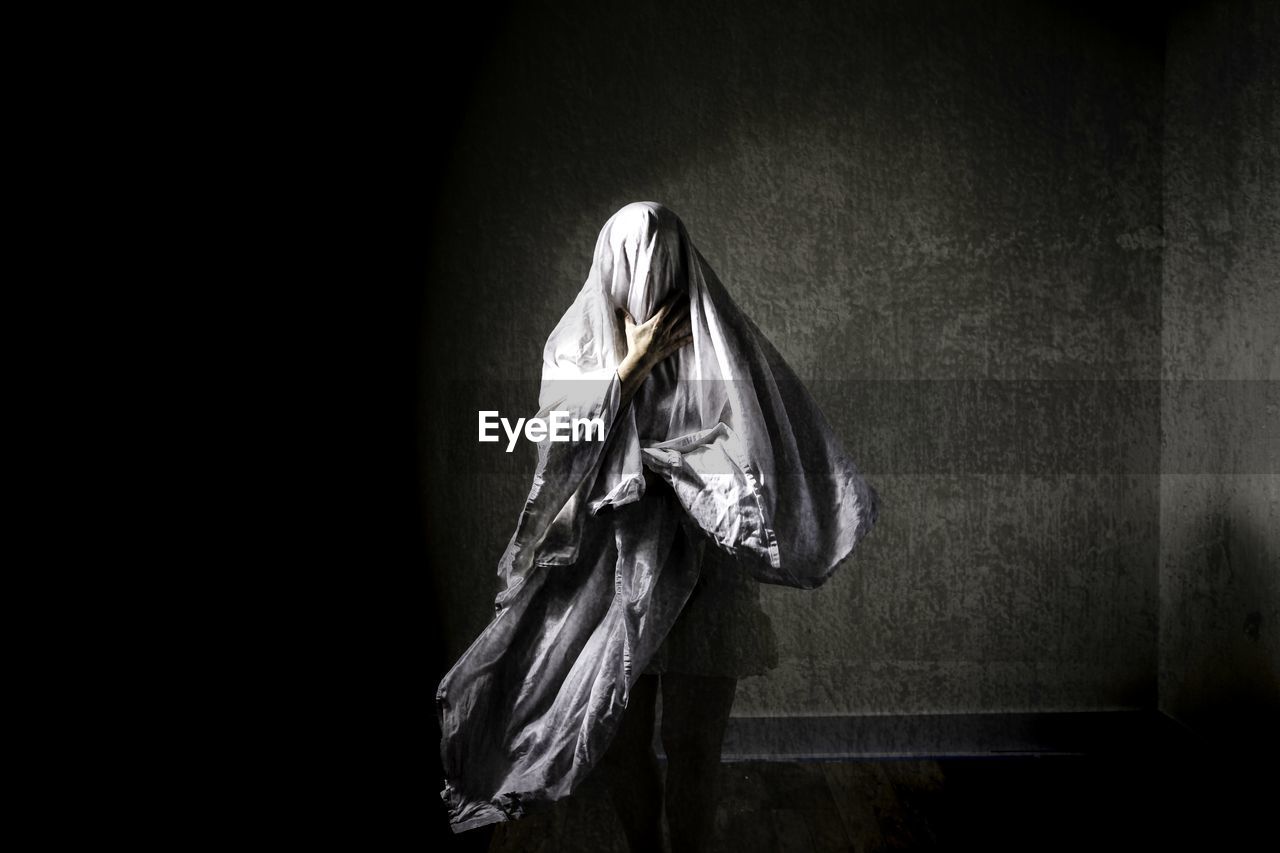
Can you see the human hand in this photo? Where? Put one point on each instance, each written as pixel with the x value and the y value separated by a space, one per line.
pixel 669 329
pixel 650 342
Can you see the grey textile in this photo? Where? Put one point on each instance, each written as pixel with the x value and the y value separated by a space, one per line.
pixel 601 562
pixel 722 630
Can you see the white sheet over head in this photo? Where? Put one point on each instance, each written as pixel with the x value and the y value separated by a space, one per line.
pixel 604 555
pixel 779 461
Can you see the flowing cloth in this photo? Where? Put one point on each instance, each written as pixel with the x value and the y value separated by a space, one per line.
pixel 600 565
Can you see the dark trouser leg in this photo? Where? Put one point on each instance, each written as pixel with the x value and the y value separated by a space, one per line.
pixel 695 710
pixel 631 770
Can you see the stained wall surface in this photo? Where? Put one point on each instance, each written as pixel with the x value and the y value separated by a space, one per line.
pixel 947 217
pixel 1220 496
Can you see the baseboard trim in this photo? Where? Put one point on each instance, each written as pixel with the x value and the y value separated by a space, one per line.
pixel 948 735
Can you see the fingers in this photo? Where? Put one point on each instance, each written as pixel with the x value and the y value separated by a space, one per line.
pixel 673 304
pixel 678 300
pixel 676 345
pixel 681 316
pixel 672 319
pixel 682 333
pixel 681 310
pixel 676 315
pixel 681 326
pixel 663 310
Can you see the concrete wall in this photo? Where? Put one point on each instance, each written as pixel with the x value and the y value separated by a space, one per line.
pixel 1220 495
pixel 947 216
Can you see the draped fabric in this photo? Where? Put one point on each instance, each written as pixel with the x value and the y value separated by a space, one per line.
pixel 721 447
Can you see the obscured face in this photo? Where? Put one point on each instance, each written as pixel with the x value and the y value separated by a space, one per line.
pixel 641 256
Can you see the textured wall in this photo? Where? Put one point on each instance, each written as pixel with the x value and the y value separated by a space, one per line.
pixel 1220 496
pixel 947 217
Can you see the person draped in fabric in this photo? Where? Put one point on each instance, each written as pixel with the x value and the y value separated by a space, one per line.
pixel 711 445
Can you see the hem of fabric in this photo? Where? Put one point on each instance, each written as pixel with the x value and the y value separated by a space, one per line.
pixel 766 523
pixel 466 813
pixel 486 817
pixel 628 491
pixel 865 525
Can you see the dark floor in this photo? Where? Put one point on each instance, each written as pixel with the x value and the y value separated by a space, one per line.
pixel 1027 803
